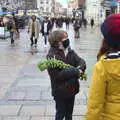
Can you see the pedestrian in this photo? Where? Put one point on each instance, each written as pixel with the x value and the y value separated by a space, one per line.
pixel 92 23
pixel 104 98
pixel 1 22
pixel 11 28
pixel 67 21
pixel 34 30
pixel 77 25
pixel 46 28
pixel 16 24
pixel 62 78
pixel 59 23
pixel 85 23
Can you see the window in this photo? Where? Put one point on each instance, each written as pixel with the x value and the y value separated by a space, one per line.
pixel 47 2
pixel 47 9
pixel 41 2
pixel 41 9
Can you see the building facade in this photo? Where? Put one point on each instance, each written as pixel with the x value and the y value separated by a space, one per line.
pixel 12 5
pixel 30 4
pixel 58 9
pixel 72 5
pixel 94 10
pixel 46 7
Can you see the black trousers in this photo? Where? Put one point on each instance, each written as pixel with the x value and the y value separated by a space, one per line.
pixel 64 108
pixel 11 36
pixel 32 36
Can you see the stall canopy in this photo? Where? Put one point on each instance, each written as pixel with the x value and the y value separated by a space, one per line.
pixel 4 13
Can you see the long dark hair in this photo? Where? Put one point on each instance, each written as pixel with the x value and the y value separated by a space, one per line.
pixel 105 49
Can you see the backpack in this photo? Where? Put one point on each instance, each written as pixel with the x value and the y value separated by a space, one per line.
pixel 76 25
pixel 9 25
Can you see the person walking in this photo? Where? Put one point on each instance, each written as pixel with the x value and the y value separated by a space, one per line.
pixel 11 28
pixel 46 28
pixel 92 23
pixel 59 22
pixel 15 18
pixel 67 21
pixel 77 25
pixel 34 30
pixel 104 96
pixel 63 79
pixel 85 23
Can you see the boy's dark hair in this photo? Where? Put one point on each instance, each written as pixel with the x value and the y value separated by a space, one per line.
pixel 56 36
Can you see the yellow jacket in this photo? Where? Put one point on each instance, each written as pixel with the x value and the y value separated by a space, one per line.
pixel 104 96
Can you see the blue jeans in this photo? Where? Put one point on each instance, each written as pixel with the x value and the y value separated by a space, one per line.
pixel 45 38
pixel 64 108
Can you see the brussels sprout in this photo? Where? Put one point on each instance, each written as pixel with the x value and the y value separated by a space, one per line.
pixel 54 63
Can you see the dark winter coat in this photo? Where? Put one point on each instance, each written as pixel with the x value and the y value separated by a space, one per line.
pixel 59 77
pixel 77 24
pixel 49 27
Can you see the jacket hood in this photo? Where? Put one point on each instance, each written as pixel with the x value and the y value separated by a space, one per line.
pixel 112 65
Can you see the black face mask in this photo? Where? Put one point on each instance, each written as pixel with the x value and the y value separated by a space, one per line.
pixel 66 43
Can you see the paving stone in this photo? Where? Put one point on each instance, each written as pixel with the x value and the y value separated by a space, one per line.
pixel 16 118
pixel 16 96
pixel 46 95
pixel 33 110
pixel 9 109
pixel 79 110
pixel 33 96
pixel 50 110
pixel 33 82
pixel 1 118
pixel 78 118
pixel 43 118
pixel 53 118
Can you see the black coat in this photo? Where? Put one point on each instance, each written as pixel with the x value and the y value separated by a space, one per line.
pixel 58 76
pixel 49 27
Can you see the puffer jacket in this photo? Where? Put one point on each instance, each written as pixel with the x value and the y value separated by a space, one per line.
pixel 104 96
pixel 59 76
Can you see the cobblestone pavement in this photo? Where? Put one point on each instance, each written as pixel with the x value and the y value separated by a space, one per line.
pixel 25 92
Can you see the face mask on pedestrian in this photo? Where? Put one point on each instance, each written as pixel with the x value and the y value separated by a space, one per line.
pixel 66 43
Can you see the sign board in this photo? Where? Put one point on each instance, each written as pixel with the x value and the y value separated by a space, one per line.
pixel 20 12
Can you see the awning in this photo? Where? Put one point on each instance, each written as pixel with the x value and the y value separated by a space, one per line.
pixel 3 13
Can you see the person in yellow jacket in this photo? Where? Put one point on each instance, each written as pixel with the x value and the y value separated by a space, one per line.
pixel 104 96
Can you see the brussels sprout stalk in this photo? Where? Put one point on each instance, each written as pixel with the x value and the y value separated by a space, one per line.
pixel 54 63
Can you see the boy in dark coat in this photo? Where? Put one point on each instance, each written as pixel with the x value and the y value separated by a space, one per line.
pixel 64 82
